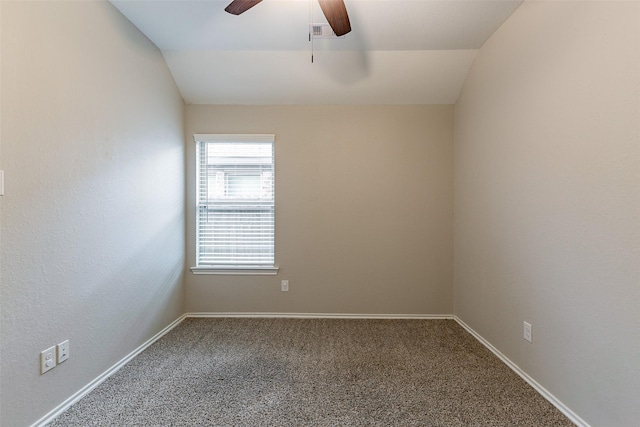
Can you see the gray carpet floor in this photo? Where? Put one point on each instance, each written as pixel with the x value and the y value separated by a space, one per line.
pixel 314 372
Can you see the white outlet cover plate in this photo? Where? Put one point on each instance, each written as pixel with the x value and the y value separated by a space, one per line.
pixel 47 359
pixel 63 351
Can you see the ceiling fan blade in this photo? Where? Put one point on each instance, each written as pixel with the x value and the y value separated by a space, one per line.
pixel 236 7
pixel 336 13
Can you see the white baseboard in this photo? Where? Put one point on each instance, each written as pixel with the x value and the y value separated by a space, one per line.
pixel 112 370
pixel 533 383
pixel 102 377
pixel 324 315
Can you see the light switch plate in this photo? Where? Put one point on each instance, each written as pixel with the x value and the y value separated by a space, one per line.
pixel 47 359
pixel 527 332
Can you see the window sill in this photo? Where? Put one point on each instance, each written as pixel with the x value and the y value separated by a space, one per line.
pixel 240 270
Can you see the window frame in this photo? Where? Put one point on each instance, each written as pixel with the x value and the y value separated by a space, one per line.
pixel 233 269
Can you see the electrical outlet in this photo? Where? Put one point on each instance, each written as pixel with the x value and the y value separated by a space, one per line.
pixel 47 359
pixel 63 351
pixel 285 286
pixel 527 331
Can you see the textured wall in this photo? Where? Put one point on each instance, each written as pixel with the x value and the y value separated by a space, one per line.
pixel 363 210
pixel 93 216
pixel 547 201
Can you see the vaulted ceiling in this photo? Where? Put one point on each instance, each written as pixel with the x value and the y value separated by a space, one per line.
pixel 398 52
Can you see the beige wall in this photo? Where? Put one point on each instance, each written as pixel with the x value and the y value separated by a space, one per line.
pixel 363 210
pixel 547 201
pixel 92 219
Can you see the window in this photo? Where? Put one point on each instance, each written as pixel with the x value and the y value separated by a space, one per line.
pixel 235 204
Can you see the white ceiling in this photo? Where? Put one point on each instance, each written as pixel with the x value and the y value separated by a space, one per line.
pixel 398 52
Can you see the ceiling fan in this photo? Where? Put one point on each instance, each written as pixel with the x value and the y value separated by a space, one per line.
pixel 334 10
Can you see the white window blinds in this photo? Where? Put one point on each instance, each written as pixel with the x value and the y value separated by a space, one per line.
pixel 235 223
